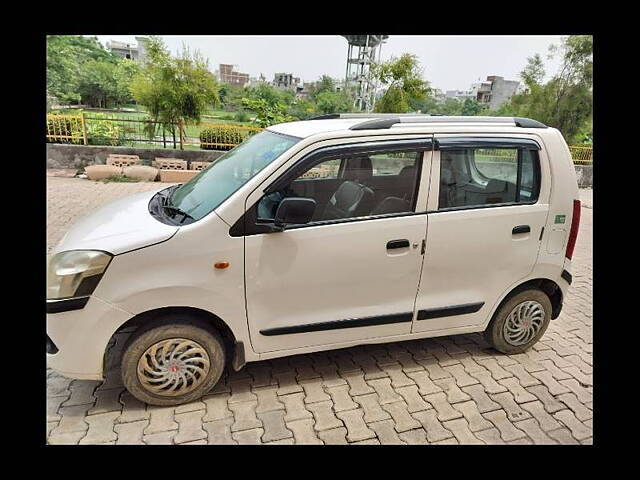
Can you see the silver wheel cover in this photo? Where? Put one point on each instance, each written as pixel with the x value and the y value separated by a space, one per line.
pixel 523 323
pixel 173 367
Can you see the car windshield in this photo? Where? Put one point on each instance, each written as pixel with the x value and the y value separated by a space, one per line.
pixel 207 190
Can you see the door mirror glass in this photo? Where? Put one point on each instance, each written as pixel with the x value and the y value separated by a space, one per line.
pixel 295 210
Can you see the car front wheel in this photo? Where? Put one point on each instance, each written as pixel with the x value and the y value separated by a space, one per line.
pixel 175 361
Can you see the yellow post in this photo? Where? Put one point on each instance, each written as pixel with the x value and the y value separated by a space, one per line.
pixel 84 129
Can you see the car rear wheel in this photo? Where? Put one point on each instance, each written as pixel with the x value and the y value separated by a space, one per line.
pixel 519 322
pixel 176 360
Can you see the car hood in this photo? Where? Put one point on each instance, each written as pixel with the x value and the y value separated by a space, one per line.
pixel 118 227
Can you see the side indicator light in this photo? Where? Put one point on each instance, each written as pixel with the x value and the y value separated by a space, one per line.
pixel 221 265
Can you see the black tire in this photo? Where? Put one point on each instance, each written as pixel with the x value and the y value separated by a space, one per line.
pixel 494 334
pixel 173 327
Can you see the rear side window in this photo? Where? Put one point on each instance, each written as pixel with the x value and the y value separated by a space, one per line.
pixel 471 177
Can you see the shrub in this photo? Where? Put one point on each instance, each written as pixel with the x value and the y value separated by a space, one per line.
pixel 224 137
pixel 104 132
pixel 241 116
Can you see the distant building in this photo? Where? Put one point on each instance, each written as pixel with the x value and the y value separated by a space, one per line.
pixel 438 95
pixel 286 81
pixel 131 51
pixel 142 48
pixel 495 91
pixel 257 80
pixel 227 74
pixel 458 94
pixel 124 50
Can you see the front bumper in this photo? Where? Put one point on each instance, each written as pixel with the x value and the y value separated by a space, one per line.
pixel 77 339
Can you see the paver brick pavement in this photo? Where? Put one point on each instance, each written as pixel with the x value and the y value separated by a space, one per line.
pixel 443 390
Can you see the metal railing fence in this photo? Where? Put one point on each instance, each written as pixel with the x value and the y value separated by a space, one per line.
pixel 139 131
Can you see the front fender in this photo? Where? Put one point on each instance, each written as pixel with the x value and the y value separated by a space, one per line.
pixel 193 297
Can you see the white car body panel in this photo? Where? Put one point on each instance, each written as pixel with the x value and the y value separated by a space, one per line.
pixel 117 227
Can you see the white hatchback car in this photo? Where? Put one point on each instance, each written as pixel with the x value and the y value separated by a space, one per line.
pixel 317 235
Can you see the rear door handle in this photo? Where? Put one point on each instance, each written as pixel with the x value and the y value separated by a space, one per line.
pixel 397 244
pixel 521 229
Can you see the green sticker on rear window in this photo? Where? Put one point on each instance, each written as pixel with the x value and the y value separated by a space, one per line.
pixel 560 218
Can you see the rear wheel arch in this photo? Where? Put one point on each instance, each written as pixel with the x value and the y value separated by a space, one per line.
pixel 549 287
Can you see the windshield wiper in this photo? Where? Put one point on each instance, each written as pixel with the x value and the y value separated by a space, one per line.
pixel 177 210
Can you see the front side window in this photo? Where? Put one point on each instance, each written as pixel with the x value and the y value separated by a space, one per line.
pixel 207 190
pixel 350 186
pixel 392 163
pixel 471 177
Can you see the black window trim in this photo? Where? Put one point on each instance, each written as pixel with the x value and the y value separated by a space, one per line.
pixel 458 142
pixel 519 144
pixel 248 223
pixel 337 151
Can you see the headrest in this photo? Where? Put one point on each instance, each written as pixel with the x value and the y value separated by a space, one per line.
pixel 408 171
pixel 359 169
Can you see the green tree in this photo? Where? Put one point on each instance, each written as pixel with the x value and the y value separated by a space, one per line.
pixel 267 113
pixel 67 56
pixel 271 105
pixel 471 107
pixel 403 79
pixel 231 97
pixel 302 109
pixel 324 84
pixel 270 94
pixel 334 102
pixel 566 100
pixel 97 84
pixel 123 75
pixel 174 90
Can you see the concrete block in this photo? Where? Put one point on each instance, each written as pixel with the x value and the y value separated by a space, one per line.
pixel 169 164
pixel 122 160
pixel 141 172
pixel 177 176
pixel 100 172
pixel 199 165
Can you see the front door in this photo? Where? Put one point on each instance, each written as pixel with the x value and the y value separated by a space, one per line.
pixel 352 273
pixel 487 208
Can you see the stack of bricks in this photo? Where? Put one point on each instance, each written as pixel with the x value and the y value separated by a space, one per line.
pixel 173 170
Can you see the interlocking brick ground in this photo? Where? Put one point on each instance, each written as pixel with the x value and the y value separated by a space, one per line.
pixel 443 390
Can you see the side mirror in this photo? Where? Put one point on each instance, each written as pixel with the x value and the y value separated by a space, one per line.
pixel 296 210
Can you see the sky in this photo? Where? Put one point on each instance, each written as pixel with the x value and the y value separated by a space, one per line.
pixel 448 62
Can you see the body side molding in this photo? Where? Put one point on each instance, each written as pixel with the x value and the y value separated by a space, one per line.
pixel 449 311
pixel 339 324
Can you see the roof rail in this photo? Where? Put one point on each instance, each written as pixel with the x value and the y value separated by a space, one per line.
pixel 386 120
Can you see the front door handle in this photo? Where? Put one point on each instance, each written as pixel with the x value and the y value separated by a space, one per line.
pixel 521 229
pixel 397 244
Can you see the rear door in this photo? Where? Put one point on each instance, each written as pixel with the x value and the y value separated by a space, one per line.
pixel 488 203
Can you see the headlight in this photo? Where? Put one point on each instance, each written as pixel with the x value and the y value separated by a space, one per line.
pixel 75 273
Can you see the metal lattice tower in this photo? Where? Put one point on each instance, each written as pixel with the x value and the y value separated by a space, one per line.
pixel 362 51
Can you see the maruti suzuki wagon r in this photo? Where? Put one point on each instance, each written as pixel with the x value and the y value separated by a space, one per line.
pixel 317 235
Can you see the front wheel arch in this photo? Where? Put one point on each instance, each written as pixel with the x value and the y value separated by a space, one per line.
pixel 113 356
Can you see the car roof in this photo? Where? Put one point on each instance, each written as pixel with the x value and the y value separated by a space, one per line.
pixel 363 121
pixel 306 128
